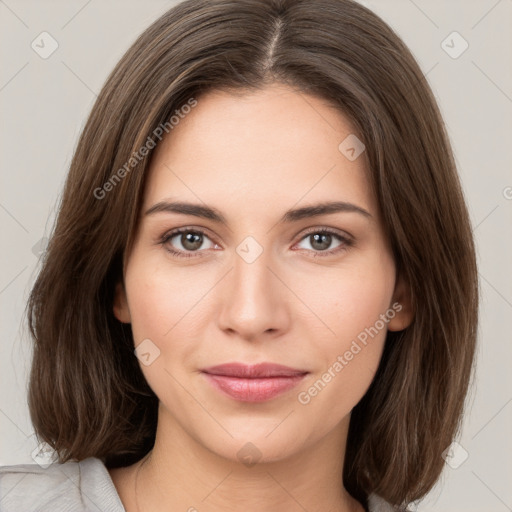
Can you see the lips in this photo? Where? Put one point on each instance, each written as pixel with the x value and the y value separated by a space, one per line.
pixel 253 383
pixel 255 371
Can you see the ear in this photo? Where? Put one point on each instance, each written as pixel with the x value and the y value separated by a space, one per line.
pixel 121 310
pixel 402 305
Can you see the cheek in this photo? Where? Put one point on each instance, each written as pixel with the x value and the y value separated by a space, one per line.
pixel 170 308
pixel 348 362
pixel 356 306
pixel 337 389
pixel 161 301
pixel 165 309
pixel 348 299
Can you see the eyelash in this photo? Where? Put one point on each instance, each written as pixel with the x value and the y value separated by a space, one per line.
pixel 346 242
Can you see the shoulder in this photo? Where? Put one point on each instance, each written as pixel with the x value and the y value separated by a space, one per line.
pixel 72 486
pixel 378 504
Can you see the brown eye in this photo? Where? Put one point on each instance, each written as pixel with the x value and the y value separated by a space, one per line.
pixel 320 241
pixel 191 241
pixel 184 242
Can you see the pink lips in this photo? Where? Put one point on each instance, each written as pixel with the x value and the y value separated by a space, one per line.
pixel 253 383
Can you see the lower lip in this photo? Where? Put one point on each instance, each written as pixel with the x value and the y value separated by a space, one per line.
pixel 253 390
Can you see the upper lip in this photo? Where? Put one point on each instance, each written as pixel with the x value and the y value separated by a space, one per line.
pixel 255 371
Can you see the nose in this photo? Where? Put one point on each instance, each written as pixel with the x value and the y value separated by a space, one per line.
pixel 254 300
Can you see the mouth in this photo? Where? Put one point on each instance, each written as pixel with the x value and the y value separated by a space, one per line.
pixel 253 383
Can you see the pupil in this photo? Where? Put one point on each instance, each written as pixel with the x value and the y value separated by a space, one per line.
pixel 326 241
pixel 191 241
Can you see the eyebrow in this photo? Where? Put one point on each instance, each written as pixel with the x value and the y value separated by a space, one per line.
pixel 207 212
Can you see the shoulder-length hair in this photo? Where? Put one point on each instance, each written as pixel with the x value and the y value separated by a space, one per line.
pixel 87 394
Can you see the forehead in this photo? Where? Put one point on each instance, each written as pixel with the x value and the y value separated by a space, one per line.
pixel 275 144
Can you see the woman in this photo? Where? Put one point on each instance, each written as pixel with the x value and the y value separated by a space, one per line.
pixel 261 289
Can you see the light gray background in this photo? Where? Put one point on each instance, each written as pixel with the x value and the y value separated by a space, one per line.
pixel 44 104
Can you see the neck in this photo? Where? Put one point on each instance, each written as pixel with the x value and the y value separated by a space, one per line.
pixel 182 474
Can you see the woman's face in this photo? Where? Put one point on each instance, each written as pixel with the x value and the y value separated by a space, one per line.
pixel 252 279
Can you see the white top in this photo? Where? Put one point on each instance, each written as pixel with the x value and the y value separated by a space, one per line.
pixel 83 486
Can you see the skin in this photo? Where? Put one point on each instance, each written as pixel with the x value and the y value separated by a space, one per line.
pixel 253 157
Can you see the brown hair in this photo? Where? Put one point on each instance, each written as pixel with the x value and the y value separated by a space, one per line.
pixel 87 394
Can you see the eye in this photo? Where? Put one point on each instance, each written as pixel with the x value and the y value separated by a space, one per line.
pixel 185 240
pixel 320 241
pixel 188 242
